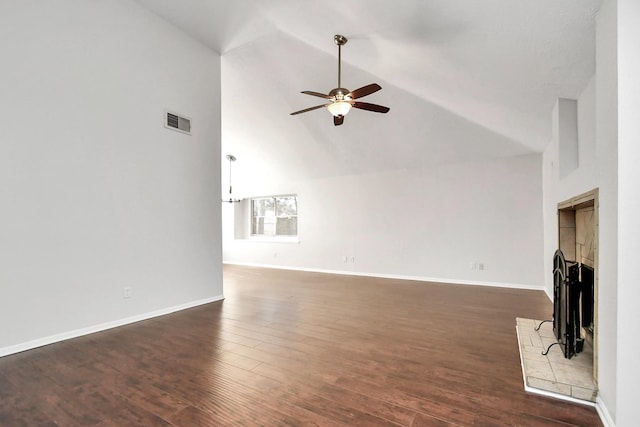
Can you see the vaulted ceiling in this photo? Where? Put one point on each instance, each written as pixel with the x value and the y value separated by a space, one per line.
pixel 463 78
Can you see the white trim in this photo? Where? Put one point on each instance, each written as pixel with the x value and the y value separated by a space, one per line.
pixel 29 345
pixel 558 396
pixel 604 414
pixel 392 276
pixel 271 239
pixel 549 294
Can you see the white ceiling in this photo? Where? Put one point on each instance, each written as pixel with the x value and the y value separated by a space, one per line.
pixel 463 78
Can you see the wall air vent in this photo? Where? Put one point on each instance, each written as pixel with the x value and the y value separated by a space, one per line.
pixel 176 122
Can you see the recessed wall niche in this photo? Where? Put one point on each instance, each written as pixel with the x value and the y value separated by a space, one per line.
pixel 566 130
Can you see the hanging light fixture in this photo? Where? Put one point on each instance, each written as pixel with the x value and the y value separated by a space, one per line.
pixel 231 159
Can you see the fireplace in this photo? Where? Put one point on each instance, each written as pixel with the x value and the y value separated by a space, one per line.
pixel 578 243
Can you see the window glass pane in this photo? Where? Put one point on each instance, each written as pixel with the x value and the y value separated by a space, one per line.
pixel 257 225
pixel 269 228
pixel 286 206
pixel 264 207
pixel 287 226
pixel 274 216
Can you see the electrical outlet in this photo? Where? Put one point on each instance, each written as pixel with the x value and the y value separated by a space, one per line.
pixel 127 291
pixel 352 260
pixel 345 258
pixel 481 266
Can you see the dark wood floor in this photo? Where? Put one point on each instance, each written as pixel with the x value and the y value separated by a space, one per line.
pixel 293 348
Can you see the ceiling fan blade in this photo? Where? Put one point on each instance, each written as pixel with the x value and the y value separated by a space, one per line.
pixel 365 90
pixel 308 109
pixel 318 94
pixel 338 120
pixel 370 107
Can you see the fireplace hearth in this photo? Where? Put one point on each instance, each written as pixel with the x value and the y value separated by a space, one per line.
pixel 554 375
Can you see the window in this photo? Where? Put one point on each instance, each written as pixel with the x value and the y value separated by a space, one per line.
pixel 274 216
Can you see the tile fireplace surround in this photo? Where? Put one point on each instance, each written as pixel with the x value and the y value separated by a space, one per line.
pixel 553 375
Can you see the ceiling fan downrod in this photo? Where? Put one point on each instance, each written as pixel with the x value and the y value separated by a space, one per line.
pixel 340 41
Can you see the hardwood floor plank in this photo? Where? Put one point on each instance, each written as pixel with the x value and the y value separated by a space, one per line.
pixel 297 348
pixel 325 387
pixel 422 420
pixel 139 392
pixel 19 409
pixel 195 417
pixel 130 417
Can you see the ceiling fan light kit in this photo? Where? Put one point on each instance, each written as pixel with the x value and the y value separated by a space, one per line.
pixel 339 108
pixel 341 100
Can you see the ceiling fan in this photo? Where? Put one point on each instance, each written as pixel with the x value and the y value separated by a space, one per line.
pixel 341 100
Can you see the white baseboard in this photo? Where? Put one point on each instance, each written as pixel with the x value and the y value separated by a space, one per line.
pixel 393 276
pixel 604 414
pixel 29 345
pixel 557 396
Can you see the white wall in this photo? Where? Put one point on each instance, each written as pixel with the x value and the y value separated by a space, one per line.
pixel 424 223
pixel 567 135
pixel 95 194
pixel 628 370
pixel 597 168
pixel 607 175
